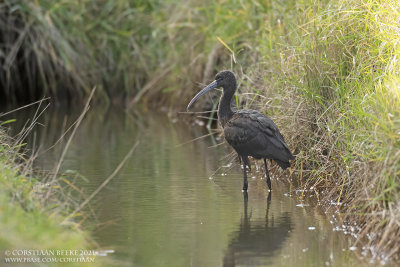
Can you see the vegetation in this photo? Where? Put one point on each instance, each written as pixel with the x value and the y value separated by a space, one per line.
pixel 34 214
pixel 338 71
pixel 326 71
pixel 129 49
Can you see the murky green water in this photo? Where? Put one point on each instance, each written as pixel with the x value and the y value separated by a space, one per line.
pixel 162 209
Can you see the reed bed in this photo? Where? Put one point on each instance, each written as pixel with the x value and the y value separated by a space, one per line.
pixel 133 51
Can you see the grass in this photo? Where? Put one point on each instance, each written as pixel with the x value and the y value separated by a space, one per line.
pixel 338 78
pixel 363 119
pixel 26 222
pixel 326 71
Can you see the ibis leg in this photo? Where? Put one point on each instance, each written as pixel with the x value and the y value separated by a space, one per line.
pixel 245 185
pixel 246 162
pixel 267 175
pixel 244 178
pixel 245 201
pixel 268 204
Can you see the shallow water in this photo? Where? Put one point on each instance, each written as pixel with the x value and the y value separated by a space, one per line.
pixel 177 203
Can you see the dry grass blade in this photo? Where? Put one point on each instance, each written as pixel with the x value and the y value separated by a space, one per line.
pixel 85 109
pixel 197 138
pixel 26 130
pixel 58 166
pixel 25 106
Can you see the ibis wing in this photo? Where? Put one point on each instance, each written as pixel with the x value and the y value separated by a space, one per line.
pixel 250 132
pixel 238 131
pixel 269 128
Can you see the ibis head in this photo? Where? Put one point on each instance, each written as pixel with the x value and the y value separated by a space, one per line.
pixel 225 79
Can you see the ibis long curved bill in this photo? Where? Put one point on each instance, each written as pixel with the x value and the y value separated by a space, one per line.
pixel 202 92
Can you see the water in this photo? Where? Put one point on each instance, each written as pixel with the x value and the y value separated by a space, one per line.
pixel 177 203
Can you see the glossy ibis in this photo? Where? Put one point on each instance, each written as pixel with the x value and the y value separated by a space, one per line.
pixel 249 132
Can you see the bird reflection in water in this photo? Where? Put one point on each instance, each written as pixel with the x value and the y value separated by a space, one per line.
pixel 255 243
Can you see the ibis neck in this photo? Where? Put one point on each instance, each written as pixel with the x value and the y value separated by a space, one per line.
pixel 224 109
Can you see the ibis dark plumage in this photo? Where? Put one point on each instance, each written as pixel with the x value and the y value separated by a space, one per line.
pixel 249 132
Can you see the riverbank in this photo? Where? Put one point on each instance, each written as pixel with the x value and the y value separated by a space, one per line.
pixel 327 72
pixel 339 102
pixel 33 216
